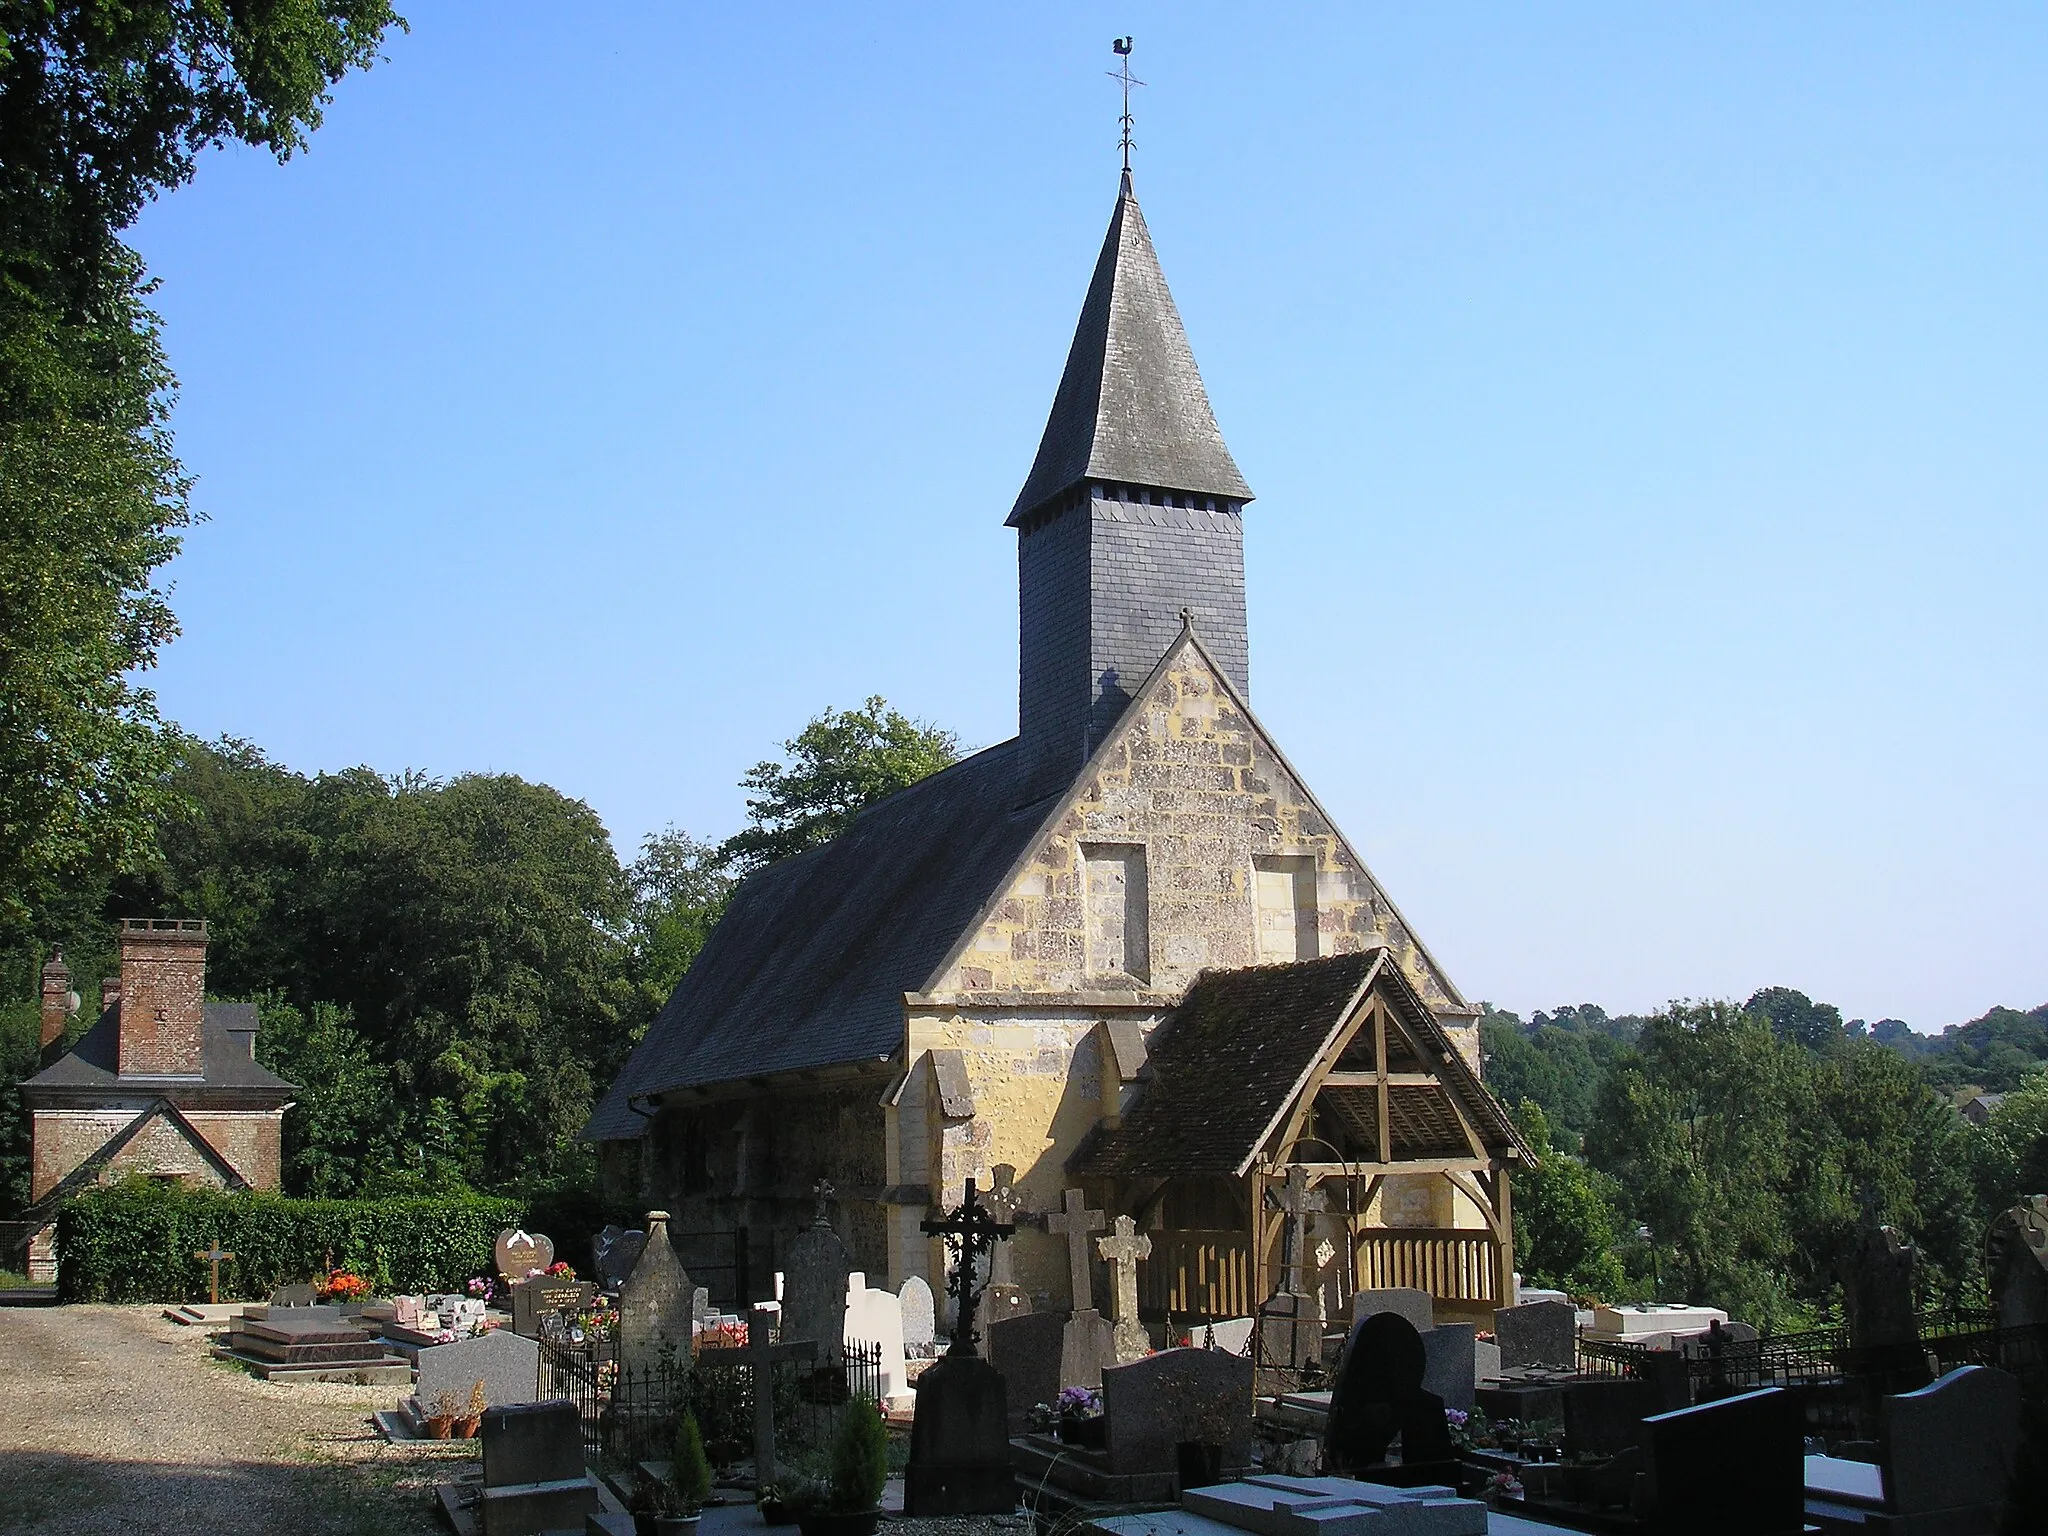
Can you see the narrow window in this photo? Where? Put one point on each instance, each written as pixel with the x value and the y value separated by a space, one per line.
pixel 1287 908
pixel 1119 930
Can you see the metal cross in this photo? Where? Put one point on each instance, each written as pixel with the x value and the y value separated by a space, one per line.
pixel 824 1191
pixel 968 1232
pixel 762 1355
pixel 1003 1202
pixel 1122 45
pixel 213 1253
pixel 1297 1202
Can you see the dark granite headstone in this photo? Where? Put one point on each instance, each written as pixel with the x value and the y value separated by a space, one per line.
pixel 1378 1395
pixel 1733 1465
pixel 1001 1300
pixel 1026 1352
pixel 959 1442
pixel 1541 1333
pixel 1449 1372
pixel 1949 1450
pixel 614 1252
pixel 1177 1396
pixel 1604 1417
pixel 2018 1267
pixel 1415 1305
pixel 519 1252
pixel 534 1478
pixel 507 1365
pixel 534 1299
pixel 1877 1301
pixel 297 1295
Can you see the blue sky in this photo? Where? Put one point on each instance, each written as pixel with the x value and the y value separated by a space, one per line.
pixel 1646 406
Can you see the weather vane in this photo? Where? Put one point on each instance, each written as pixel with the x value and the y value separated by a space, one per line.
pixel 1122 45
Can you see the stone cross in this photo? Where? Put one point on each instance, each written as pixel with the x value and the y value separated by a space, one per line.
pixel 1076 1222
pixel 1298 1203
pixel 213 1253
pixel 1123 1250
pixel 824 1191
pixel 1003 1202
pixel 761 1357
pixel 970 1231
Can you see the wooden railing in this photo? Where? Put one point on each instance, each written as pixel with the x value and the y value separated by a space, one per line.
pixel 1451 1265
pixel 1196 1275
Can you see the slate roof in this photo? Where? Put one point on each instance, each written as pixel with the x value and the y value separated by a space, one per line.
pixel 1228 1061
pixel 809 965
pixel 228 1068
pixel 1131 406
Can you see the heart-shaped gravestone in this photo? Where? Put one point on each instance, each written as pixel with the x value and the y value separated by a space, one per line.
pixel 521 1253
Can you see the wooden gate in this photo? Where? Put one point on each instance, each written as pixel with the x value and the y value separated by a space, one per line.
pixel 1197 1275
pixel 1451 1264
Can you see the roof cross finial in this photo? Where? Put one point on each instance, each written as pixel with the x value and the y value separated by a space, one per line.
pixel 1122 45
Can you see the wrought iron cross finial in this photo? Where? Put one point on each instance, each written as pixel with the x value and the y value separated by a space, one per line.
pixel 823 1190
pixel 1123 74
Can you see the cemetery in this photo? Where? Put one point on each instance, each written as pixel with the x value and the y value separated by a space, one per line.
pixel 1065 1137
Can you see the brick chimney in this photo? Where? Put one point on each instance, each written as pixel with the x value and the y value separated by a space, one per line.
pixel 110 990
pixel 163 996
pixel 58 1002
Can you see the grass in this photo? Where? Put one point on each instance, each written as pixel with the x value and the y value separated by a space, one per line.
pixel 13 1280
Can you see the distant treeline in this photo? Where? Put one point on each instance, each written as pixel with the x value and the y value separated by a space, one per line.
pixel 1735 1154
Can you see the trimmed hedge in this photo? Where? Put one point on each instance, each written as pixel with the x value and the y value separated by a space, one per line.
pixel 135 1242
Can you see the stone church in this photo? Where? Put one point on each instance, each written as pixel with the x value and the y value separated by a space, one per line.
pixel 1126 951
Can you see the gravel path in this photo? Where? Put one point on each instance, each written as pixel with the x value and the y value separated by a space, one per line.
pixel 113 1420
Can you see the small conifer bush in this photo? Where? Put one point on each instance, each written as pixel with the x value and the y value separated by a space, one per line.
pixel 690 1472
pixel 860 1457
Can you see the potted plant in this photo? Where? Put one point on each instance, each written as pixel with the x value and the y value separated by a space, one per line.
pixel 441 1414
pixel 1080 1421
pixel 467 1424
pixel 689 1480
pixel 860 1468
pixel 775 1504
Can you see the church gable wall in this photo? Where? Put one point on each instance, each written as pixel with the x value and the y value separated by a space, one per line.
pixel 1193 784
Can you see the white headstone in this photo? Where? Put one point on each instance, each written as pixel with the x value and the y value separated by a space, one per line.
pixel 920 1317
pixel 876 1317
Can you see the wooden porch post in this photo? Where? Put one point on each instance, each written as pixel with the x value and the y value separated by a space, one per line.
pixel 1504 1208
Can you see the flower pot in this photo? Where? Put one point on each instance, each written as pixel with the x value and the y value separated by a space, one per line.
pixel 859 1523
pixel 676 1525
pixel 439 1427
pixel 466 1426
pixel 775 1512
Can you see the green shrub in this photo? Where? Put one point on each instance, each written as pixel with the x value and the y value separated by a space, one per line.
pixel 690 1472
pixel 860 1457
pixel 136 1241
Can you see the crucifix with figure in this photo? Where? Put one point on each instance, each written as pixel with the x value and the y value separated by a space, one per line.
pixel 213 1253
pixel 1299 1202
pixel 1075 1223
pixel 969 1232
pixel 761 1357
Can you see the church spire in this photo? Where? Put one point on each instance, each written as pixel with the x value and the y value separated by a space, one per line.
pixel 1131 408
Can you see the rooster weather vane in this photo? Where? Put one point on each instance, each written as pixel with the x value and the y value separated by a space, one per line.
pixel 1123 74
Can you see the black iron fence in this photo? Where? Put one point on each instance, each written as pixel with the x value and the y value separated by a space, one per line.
pixel 629 1413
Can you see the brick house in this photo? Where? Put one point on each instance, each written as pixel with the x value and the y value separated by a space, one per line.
pixel 164 1084
pixel 1015 962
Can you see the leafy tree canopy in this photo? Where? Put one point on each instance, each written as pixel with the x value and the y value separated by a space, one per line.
pixel 842 762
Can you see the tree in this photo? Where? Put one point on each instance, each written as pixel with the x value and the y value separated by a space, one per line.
pixel 1796 1017
pixel 842 762
pixel 1566 1230
pixel 680 888
pixel 341 1110
pixel 103 105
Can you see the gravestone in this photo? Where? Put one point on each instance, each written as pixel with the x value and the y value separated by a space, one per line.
pixel 1448 1364
pixel 1004 1202
pixel 1542 1333
pixel 534 1477
pixel 536 1298
pixel 920 1315
pixel 1948 1450
pixel 1002 1300
pixel 814 1276
pixel 519 1252
pixel 876 1317
pixel 1733 1465
pixel 1122 1250
pixel 1485 1360
pixel 1232 1335
pixel 702 1313
pixel 299 1294
pixel 1280 1505
pixel 1075 1222
pixel 2018 1263
pixel 654 1303
pixel 405 1311
pixel 1877 1301
pixel 1602 1418
pixel 1379 1394
pixel 1087 1344
pixel 1410 1303
pixel 1025 1350
pixel 506 1363
pixel 960 1440
pixel 1154 1404
pixel 614 1252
